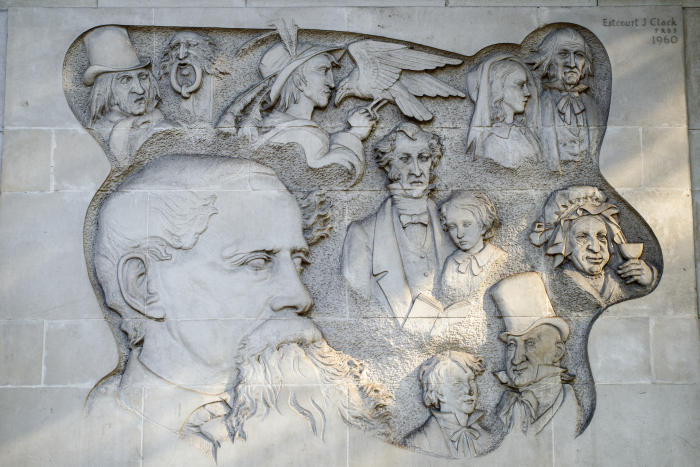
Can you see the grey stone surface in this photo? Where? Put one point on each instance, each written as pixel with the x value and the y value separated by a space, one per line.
pixel 619 350
pixel 26 161
pixel 78 162
pixel 54 282
pixel 53 419
pixel 21 352
pixel 675 294
pixel 665 152
pixel 675 348
pixel 34 62
pixel 621 157
pixel 178 317
pixel 691 22
pixel 684 3
pixel 68 361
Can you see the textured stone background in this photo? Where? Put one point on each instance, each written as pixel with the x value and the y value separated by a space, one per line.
pixel 54 343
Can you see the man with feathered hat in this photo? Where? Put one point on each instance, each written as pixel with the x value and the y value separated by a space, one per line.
pixel 296 80
pixel 579 225
pixel 539 387
pixel 124 93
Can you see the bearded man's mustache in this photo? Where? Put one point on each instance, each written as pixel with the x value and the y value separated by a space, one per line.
pixel 274 333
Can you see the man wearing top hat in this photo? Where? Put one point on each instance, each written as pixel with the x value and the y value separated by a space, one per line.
pixel 538 387
pixel 299 80
pixel 124 93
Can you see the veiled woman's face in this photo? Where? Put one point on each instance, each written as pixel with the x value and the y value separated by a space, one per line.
pixel 515 91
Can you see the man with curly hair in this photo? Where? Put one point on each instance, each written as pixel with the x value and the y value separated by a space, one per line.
pixel 397 253
pixel 450 392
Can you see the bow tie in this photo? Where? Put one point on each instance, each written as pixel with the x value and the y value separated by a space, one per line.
pixel 407 219
pixel 570 103
pixel 465 263
pixel 462 437
pixel 526 400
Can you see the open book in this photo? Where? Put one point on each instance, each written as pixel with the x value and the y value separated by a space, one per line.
pixel 425 306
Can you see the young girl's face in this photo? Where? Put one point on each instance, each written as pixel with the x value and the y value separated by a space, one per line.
pixel 464 227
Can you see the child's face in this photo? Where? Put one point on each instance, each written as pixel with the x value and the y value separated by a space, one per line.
pixel 464 227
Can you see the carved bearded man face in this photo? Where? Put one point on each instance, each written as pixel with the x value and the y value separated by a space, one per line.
pixel 131 90
pixel 188 57
pixel 569 59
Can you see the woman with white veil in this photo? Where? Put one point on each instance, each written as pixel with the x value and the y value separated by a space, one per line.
pixel 505 97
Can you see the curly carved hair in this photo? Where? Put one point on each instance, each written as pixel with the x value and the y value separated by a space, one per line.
pixel 384 149
pixel 478 204
pixel 431 373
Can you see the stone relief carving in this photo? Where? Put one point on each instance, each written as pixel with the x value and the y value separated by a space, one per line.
pixel 505 111
pixel 383 74
pixel 396 254
pixel 571 123
pixel 580 230
pixel 536 340
pixel 257 289
pixel 449 388
pixel 190 61
pixel 124 93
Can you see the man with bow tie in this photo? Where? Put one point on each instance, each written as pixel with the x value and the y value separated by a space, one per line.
pixel 571 120
pixel 450 392
pixel 538 387
pixel 397 253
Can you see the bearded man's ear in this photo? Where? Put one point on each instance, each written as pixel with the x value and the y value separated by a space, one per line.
pixel 133 275
pixel 561 349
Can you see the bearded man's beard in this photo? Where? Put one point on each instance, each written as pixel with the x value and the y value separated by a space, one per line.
pixel 278 349
pixel 188 78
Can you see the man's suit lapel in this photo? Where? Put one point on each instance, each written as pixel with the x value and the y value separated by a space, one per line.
pixel 387 267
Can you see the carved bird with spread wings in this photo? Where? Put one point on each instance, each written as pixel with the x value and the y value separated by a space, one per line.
pixel 379 75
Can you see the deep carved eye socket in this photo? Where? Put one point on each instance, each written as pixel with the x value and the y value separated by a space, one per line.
pixel 300 262
pixel 451 226
pixel 511 345
pixel 424 158
pixel 125 79
pixel 258 263
pixel 530 344
pixel 143 76
pixel 405 159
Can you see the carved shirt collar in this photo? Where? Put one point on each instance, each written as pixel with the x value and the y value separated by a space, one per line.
pixel 477 262
pixel 569 104
pixel 459 431
pixel 405 204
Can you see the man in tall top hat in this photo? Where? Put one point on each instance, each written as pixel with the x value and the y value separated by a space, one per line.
pixel 124 93
pixel 299 80
pixel 539 387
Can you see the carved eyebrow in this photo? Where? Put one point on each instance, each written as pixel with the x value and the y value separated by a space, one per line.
pixel 232 252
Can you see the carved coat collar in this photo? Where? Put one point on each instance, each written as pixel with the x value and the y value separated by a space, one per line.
pixel 460 433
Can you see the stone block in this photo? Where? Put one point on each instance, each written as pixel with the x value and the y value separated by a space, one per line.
pixel 79 162
pixel 532 3
pixel 43 274
pixel 684 3
pixel 67 363
pixel 669 213
pixel 634 425
pixel 618 350
pixel 21 352
pixel 621 157
pixel 420 24
pixel 45 426
pixel 346 3
pixel 257 18
pixel 675 347
pixel 38 39
pixel 694 144
pixel 665 154
pixel 53 3
pixel 171 3
pixel 691 28
pixel 642 95
pixel 26 162
pixel 3 59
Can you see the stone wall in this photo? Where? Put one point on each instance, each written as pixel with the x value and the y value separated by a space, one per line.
pixel 55 343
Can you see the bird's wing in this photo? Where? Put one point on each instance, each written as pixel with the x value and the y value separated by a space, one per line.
pixel 409 104
pixel 380 63
pixel 374 72
pixel 422 84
